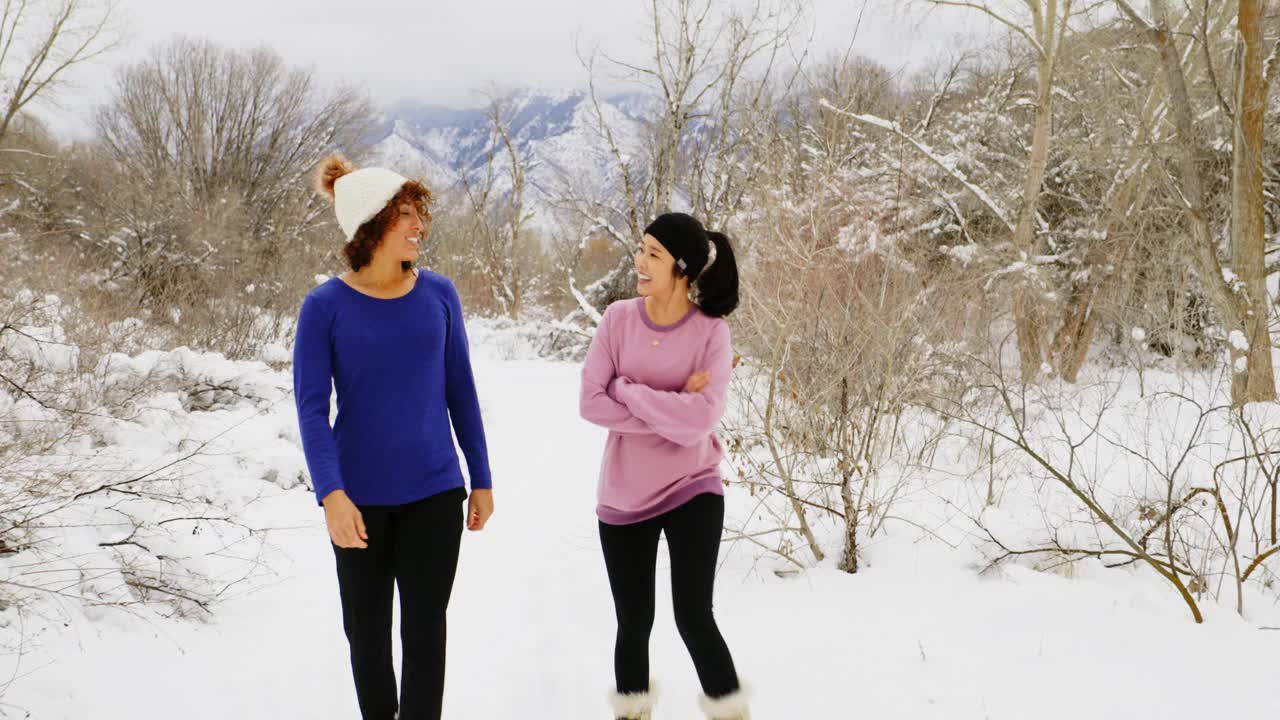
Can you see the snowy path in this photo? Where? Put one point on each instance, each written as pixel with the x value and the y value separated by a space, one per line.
pixel 916 636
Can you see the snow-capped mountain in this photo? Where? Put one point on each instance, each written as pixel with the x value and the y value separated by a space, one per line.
pixel 557 132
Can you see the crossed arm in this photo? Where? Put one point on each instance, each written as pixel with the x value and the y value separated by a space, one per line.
pixel 683 417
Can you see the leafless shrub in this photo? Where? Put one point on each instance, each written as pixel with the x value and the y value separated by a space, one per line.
pixel 83 520
pixel 1174 479
pixel 842 317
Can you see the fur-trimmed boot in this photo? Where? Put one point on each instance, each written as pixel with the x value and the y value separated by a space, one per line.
pixel 634 706
pixel 730 707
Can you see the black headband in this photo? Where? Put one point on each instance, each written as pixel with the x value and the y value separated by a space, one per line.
pixel 685 238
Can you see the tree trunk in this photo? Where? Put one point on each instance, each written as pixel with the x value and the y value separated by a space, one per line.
pixel 1252 380
pixel 1026 305
pixel 788 482
pixel 517 302
pixel 1072 341
pixel 848 470
pixel 849 551
pixel 1225 299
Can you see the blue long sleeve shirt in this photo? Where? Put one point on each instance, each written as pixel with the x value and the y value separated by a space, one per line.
pixel 402 371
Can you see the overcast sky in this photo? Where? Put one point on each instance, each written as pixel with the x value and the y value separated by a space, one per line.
pixel 445 52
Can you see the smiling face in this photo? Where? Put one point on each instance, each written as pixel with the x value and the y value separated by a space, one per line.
pixel 656 270
pixel 397 231
pixel 404 234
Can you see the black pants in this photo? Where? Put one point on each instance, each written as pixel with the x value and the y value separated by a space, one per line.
pixel 631 557
pixel 413 547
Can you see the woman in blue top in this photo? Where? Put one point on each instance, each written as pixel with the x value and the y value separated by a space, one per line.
pixel 389 339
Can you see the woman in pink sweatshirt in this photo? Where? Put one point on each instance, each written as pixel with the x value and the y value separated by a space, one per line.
pixel 657 376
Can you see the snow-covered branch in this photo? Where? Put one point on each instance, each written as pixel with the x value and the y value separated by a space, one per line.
pixel 583 305
pixel 928 153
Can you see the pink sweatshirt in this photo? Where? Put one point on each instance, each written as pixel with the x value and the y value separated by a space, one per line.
pixel 662 448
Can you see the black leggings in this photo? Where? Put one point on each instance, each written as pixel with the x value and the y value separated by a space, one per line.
pixel 415 548
pixel 631 557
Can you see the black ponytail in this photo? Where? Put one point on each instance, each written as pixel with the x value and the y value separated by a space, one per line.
pixel 717 285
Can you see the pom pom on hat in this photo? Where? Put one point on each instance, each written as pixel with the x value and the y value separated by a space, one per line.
pixel 328 172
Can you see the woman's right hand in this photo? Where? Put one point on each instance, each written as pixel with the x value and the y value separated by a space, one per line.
pixel 346 524
pixel 697 381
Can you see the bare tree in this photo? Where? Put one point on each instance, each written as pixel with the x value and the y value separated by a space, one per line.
pixel 1233 295
pixel 202 176
pixel 499 217
pixel 1045 25
pixel 1111 190
pixel 724 158
pixel 40 42
pixel 1255 381
pixel 225 122
pixel 710 77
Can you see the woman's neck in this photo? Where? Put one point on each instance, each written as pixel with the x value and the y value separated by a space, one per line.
pixel 668 310
pixel 381 272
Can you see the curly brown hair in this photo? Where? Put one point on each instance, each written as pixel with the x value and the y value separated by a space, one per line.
pixel 359 252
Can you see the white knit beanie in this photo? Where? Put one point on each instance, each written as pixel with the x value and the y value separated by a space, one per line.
pixel 358 195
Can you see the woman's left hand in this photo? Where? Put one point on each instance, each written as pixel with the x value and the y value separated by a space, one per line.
pixel 698 381
pixel 479 509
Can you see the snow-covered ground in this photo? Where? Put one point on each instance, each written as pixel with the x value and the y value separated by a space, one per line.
pixel 918 634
